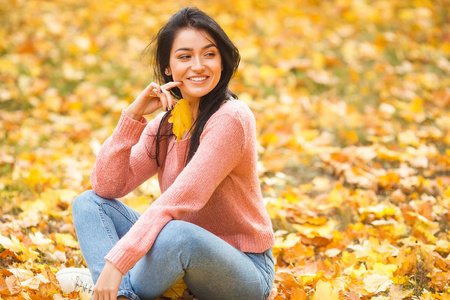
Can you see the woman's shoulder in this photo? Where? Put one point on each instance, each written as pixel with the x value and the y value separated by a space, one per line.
pixel 233 115
pixel 235 109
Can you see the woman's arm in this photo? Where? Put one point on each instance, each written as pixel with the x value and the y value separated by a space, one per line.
pixel 123 162
pixel 222 144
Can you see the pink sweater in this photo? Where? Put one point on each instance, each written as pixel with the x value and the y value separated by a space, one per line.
pixel 218 190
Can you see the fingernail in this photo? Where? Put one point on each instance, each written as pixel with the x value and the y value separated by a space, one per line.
pixel 172 107
pixel 160 90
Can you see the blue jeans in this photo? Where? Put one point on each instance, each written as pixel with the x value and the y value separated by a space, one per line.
pixel 210 267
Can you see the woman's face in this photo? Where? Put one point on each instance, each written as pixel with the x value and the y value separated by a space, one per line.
pixel 195 60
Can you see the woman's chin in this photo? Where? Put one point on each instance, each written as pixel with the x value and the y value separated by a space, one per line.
pixel 194 96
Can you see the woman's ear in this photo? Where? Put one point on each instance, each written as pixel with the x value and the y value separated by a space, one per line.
pixel 168 72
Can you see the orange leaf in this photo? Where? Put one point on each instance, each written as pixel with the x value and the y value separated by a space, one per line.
pixel 9 286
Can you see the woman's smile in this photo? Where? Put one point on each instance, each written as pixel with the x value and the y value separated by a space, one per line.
pixel 198 79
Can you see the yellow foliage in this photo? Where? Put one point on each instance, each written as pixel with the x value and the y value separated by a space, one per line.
pixel 181 118
pixel 65 239
pixel 176 290
pixel 351 104
pixel 324 290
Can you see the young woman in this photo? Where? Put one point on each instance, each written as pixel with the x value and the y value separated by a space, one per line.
pixel 209 226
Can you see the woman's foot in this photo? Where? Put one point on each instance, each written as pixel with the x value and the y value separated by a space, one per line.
pixel 72 279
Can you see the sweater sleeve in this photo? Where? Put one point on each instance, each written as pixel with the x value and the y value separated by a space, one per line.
pixel 220 149
pixel 123 162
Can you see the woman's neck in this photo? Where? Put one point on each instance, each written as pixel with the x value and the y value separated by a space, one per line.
pixel 193 106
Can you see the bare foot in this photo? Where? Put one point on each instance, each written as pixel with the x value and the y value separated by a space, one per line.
pixel 122 298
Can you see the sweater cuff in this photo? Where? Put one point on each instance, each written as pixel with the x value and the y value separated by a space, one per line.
pixel 119 258
pixel 129 127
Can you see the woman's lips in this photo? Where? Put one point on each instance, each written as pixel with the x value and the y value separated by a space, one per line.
pixel 198 79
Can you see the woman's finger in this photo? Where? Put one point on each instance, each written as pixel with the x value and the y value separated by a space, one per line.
pixel 164 100
pixel 170 101
pixel 171 85
pixel 149 91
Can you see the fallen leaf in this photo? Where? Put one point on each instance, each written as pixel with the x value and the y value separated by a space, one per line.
pixel 324 290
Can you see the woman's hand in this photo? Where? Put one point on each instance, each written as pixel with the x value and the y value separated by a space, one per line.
pixel 108 283
pixel 152 98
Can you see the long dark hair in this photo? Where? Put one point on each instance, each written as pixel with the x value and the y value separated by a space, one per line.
pixel 192 17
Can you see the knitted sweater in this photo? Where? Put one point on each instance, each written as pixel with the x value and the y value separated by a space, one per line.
pixel 217 190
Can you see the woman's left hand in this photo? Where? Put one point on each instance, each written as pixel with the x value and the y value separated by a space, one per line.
pixel 108 283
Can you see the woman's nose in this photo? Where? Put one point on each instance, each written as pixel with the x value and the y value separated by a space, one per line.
pixel 197 65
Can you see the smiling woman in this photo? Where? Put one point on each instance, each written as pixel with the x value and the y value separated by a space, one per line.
pixel 209 227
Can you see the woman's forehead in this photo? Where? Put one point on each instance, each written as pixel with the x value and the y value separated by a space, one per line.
pixel 192 38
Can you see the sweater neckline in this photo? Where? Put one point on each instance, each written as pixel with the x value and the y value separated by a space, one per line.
pixel 182 141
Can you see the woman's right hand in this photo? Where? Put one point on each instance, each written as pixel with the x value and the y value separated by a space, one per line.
pixel 153 97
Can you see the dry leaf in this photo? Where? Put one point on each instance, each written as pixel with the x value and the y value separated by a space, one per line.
pixel 324 290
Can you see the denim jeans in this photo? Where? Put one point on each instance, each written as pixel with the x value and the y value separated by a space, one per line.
pixel 210 267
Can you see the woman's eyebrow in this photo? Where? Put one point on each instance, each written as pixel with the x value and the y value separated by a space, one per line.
pixel 191 49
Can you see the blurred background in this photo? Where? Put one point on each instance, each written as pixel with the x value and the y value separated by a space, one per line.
pixel 352 104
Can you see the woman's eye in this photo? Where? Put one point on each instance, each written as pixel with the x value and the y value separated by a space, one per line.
pixel 184 57
pixel 210 54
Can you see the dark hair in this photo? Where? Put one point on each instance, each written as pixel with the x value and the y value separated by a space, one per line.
pixel 192 17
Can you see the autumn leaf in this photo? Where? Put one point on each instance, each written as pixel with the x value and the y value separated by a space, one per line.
pixel 66 240
pixel 181 118
pixel 9 286
pixel 176 290
pixel 376 283
pixel 324 290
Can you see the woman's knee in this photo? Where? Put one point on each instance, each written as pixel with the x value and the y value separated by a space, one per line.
pixel 83 203
pixel 183 234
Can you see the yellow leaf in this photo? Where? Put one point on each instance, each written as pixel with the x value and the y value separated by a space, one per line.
pixel 66 240
pixel 21 274
pixel 376 283
pixel 176 290
pixel 34 282
pixel 181 118
pixel 324 290
pixel 12 244
pixel 39 240
pixel 386 270
pixel 397 293
pixel 356 270
pixel 22 253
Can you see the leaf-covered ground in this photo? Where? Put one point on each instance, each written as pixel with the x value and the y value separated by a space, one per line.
pixel 352 102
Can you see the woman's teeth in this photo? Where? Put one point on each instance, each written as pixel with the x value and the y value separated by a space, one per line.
pixel 197 78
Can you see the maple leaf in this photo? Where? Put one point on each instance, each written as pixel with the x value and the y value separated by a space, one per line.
pixel 324 290
pixel 181 118
pixel 65 239
pixel 9 286
pixel 384 270
pixel 397 293
pixel 376 283
pixel 176 290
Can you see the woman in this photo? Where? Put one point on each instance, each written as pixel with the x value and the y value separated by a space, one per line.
pixel 209 226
